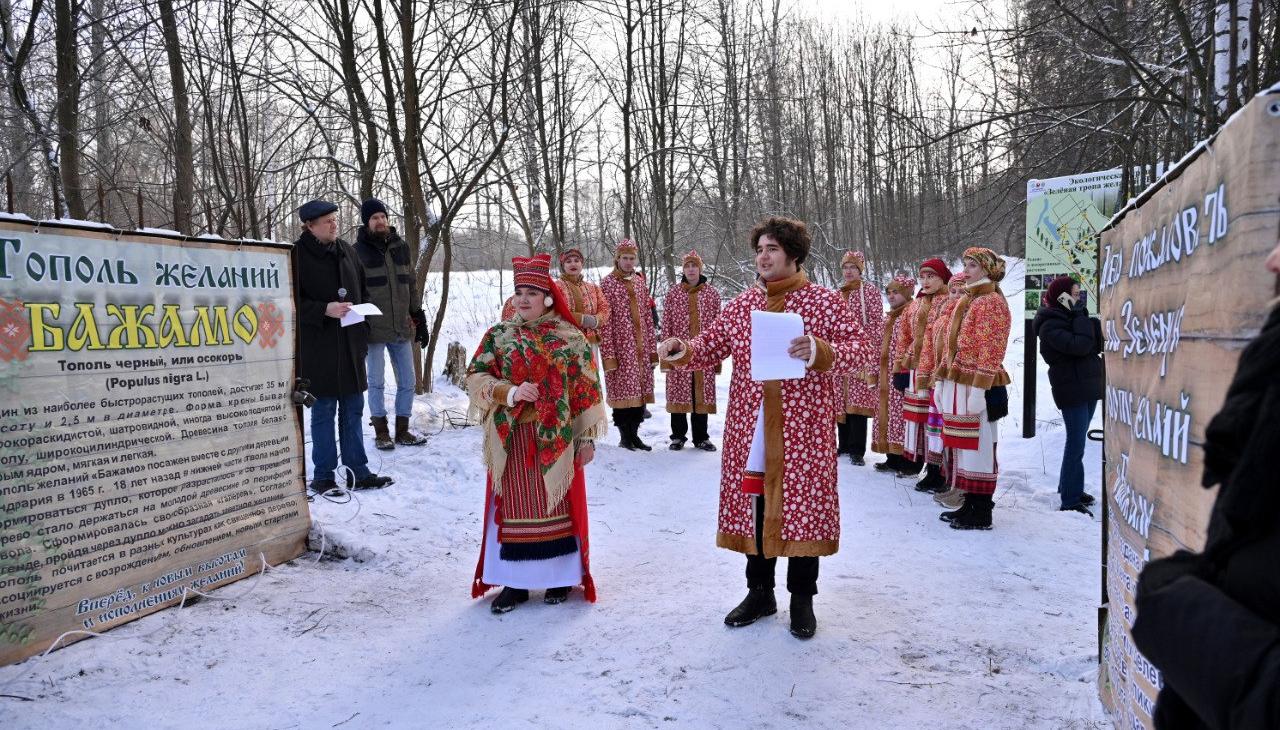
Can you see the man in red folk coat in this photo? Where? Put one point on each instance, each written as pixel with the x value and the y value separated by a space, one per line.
pixel 689 308
pixel 778 495
pixel 857 398
pixel 628 344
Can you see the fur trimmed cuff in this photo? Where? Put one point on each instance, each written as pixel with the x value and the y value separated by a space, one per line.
pixel 824 358
pixel 502 393
pixel 684 358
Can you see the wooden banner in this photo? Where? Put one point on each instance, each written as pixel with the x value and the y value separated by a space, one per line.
pixel 148 445
pixel 1183 290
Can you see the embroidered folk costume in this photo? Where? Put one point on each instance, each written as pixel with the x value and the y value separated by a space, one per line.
pixel 628 347
pixel 972 363
pixel 936 466
pixel 688 309
pixel 585 300
pixel 916 331
pixel 856 397
pixel 802 515
pixel 887 428
pixel 535 533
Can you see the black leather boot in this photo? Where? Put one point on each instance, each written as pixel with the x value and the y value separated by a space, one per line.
pixel 508 599
pixel 556 595
pixel 933 483
pixel 964 509
pixel 758 604
pixel 979 516
pixel 803 622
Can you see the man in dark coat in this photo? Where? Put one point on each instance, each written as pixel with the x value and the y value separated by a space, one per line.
pixel 388 281
pixel 328 282
pixel 1211 622
pixel 1071 343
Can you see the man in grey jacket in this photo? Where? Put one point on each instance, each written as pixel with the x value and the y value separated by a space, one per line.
pixel 389 280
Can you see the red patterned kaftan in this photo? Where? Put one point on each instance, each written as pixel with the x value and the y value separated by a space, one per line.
pixel 686 312
pixel 856 396
pixel 802 505
pixel 627 341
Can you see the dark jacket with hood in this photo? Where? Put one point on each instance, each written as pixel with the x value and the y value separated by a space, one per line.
pixel 330 356
pixel 1071 343
pixel 389 279
pixel 1210 622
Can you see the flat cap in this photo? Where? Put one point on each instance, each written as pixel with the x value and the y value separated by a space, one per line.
pixel 314 209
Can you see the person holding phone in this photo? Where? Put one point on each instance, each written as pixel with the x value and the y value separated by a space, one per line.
pixel 1071 344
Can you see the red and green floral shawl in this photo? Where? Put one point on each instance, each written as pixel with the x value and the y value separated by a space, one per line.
pixel 554 354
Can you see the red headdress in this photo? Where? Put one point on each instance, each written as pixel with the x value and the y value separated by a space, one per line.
pixel 536 272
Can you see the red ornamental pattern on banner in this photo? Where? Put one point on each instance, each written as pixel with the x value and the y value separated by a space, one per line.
pixel 270 324
pixel 15 331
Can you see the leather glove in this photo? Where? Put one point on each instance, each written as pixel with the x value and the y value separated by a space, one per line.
pixel 420 333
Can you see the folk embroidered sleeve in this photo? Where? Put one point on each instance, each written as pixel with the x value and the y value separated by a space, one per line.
pixel 981 342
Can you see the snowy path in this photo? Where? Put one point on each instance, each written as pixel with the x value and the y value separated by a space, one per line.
pixel 919 625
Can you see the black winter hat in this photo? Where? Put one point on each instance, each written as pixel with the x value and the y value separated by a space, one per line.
pixel 315 209
pixel 369 207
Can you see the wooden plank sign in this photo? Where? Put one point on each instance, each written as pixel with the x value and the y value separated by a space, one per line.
pixel 1183 290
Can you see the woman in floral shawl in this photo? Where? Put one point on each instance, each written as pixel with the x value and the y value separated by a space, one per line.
pixel 535 389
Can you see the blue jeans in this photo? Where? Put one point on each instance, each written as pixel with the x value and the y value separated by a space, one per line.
pixel 349 410
pixel 402 365
pixel 1071 475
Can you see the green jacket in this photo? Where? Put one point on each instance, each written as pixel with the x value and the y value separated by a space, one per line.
pixel 389 279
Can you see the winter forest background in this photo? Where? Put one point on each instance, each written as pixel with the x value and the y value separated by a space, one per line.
pixel 495 128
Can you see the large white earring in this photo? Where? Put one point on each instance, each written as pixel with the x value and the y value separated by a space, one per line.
pixel 547 301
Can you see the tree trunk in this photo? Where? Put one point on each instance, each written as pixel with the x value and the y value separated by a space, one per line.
pixel 183 159
pixel 67 107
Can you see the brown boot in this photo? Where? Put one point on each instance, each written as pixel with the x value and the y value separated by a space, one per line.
pixel 381 435
pixel 951 499
pixel 404 436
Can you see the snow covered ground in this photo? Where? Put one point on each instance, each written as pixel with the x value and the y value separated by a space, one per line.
pixel 919 625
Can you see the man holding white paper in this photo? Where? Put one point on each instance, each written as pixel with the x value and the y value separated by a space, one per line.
pixel 329 283
pixel 778 494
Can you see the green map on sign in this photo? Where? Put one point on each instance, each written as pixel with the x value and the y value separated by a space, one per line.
pixel 1062 238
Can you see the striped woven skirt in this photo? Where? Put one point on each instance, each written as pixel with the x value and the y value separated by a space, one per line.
pixel 971 437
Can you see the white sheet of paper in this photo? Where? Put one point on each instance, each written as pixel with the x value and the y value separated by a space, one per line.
pixel 771 336
pixel 358 312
